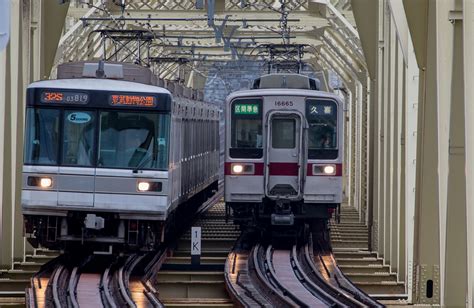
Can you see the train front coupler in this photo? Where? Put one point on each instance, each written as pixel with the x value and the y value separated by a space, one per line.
pixel 282 215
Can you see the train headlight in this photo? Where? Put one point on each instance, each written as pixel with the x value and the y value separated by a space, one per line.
pixel 149 186
pixel 143 186
pixel 43 182
pixel 242 168
pixel 324 169
pixel 237 168
pixel 330 169
pixel 46 182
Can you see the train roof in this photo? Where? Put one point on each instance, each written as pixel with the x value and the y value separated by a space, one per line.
pixel 98 84
pixel 281 92
pixel 286 81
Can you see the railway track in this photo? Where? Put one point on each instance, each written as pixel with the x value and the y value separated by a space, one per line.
pixel 296 277
pixel 83 282
pixel 261 275
pixel 181 284
pixel 325 263
pixel 106 281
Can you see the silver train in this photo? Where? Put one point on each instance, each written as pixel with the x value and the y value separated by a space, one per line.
pixel 114 162
pixel 284 152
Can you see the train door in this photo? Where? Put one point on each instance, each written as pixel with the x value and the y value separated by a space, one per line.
pixel 284 165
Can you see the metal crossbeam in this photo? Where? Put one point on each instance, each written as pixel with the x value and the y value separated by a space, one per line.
pixel 185 29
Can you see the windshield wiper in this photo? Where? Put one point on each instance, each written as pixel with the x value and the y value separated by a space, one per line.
pixel 143 163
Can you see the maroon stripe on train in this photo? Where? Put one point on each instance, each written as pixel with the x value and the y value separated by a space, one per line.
pixel 309 170
pixel 259 169
pixel 228 168
pixel 280 169
pixel 284 169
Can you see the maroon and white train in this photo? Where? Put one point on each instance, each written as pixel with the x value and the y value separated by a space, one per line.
pixel 284 152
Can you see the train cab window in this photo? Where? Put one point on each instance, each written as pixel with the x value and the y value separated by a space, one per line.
pixel 78 138
pixel 322 131
pixel 133 140
pixel 283 133
pixel 246 129
pixel 42 136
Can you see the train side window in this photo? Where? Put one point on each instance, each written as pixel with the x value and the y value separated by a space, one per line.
pixel 246 129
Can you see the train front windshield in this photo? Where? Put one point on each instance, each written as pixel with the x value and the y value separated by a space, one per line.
pixel 92 138
pixel 322 131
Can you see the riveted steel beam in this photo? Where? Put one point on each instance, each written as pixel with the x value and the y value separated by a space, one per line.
pixel 427 234
pixel 468 43
pixel 36 27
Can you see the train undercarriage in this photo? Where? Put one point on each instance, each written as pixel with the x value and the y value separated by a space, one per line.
pixel 106 232
pixel 282 221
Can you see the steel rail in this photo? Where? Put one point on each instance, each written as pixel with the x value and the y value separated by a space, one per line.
pixel 72 285
pixel 336 292
pixel 107 297
pixel 317 288
pixel 262 284
pixel 337 278
pixel 31 298
pixel 292 291
pixel 60 277
pixel 349 286
pixel 152 295
pixel 113 284
pixel 150 270
pixel 241 283
pixel 231 287
pixel 123 276
pixel 270 276
pixel 56 274
pixel 74 281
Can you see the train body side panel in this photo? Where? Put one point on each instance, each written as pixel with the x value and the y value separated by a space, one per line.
pixel 241 188
pixel 323 189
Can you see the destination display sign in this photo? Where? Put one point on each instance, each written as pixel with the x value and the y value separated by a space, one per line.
pixel 321 108
pixel 127 100
pixel 246 109
pixel 62 97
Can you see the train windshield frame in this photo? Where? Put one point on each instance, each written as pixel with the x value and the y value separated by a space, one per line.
pixel 100 138
pixel 246 128
pixel 322 116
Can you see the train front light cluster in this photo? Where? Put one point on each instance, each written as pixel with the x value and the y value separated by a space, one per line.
pixel 40 181
pixel 144 186
pixel 242 168
pixel 324 169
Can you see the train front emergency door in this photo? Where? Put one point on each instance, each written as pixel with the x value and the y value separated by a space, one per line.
pixel 283 165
